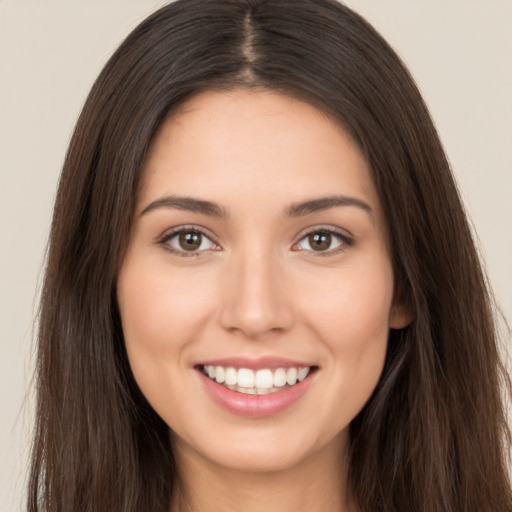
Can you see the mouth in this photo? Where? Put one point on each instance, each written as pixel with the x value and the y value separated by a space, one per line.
pixel 262 381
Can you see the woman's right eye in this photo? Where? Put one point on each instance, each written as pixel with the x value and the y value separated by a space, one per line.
pixel 187 242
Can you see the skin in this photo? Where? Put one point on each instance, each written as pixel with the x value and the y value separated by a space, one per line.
pixel 256 287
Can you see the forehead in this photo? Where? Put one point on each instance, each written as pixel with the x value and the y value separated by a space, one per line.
pixel 253 145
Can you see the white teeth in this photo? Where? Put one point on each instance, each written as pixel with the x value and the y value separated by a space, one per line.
pixel 260 382
pixel 264 379
pixel 302 373
pixel 291 376
pixel 220 374
pixel 246 378
pixel 230 376
pixel 279 379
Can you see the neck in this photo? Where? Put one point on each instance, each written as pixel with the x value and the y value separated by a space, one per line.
pixel 316 484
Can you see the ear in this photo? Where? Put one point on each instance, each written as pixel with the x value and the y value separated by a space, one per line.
pixel 401 314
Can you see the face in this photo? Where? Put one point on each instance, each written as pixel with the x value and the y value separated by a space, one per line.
pixel 256 293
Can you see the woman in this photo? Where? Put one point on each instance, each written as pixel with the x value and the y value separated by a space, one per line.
pixel 262 290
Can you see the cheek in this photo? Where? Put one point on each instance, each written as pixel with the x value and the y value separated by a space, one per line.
pixel 162 311
pixel 157 303
pixel 354 309
pixel 351 317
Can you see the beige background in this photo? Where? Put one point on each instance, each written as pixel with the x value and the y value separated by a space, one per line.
pixel 460 52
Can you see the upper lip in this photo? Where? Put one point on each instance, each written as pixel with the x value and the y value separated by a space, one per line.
pixel 270 362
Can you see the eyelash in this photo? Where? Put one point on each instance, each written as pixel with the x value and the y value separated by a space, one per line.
pixel 346 241
pixel 169 235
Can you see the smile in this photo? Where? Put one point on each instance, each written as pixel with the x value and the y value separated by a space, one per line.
pixel 259 382
pixel 256 389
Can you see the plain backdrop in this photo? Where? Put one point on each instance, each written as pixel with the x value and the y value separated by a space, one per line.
pixel 459 51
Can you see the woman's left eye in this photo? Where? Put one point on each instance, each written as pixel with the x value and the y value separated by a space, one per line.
pixel 187 242
pixel 324 241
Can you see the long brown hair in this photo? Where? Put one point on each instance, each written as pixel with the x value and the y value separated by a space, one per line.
pixel 433 437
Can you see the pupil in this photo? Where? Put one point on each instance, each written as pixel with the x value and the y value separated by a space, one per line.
pixel 320 241
pixel 190 241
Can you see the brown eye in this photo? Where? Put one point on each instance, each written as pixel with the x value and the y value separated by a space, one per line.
pixel 187 242
pixel 190 240
pixel 324 241
pixel 320 241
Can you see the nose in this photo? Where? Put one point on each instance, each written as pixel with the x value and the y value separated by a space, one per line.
pixel 255 301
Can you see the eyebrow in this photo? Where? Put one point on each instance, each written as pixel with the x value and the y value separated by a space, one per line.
pixel 324 203
pixel 189 204
pixel 295 210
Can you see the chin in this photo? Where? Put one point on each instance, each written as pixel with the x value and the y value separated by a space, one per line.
pixel 266 451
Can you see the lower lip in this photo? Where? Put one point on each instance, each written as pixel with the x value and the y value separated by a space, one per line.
pixel 254 406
